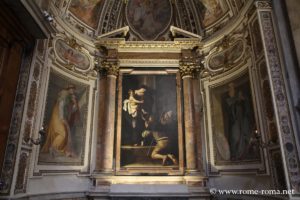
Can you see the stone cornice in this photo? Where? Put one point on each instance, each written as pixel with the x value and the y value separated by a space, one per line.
pixel 149 46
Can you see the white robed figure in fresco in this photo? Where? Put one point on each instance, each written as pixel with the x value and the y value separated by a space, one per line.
pixel 62 124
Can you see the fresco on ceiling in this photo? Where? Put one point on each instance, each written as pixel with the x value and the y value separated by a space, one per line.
pixel 234 132
pixel 65 122
pixel 211 11
pixel 71 56
pixel 149 18
pixel 87 11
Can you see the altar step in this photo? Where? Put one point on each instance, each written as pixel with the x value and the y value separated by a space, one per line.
pixel 151 192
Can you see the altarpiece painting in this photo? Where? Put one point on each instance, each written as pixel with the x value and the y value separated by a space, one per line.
pixel 149 123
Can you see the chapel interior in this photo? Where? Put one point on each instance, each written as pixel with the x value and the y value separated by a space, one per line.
pixel 149 99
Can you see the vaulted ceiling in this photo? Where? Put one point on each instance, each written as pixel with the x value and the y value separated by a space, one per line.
pixel 147 19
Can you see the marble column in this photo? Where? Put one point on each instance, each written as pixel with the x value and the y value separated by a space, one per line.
pixel 108 73
pixel 187 69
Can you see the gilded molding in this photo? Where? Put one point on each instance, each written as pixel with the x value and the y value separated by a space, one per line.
pixel 73 43
pixel 155 56
pixel 149 46
pixel 147 62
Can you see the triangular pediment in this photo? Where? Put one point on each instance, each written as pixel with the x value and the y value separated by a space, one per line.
pixel 180 33
pixel 118 33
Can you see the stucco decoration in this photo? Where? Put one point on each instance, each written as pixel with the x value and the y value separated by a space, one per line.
pixel 149 19
pixel 226 55
pixel 72 55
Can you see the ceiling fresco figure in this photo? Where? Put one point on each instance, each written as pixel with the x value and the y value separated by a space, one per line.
pixel 86 10
pixel 147 18
pixel 211 11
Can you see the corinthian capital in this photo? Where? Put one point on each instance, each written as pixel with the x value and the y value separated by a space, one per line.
pixel 108 68
pixel 188 69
